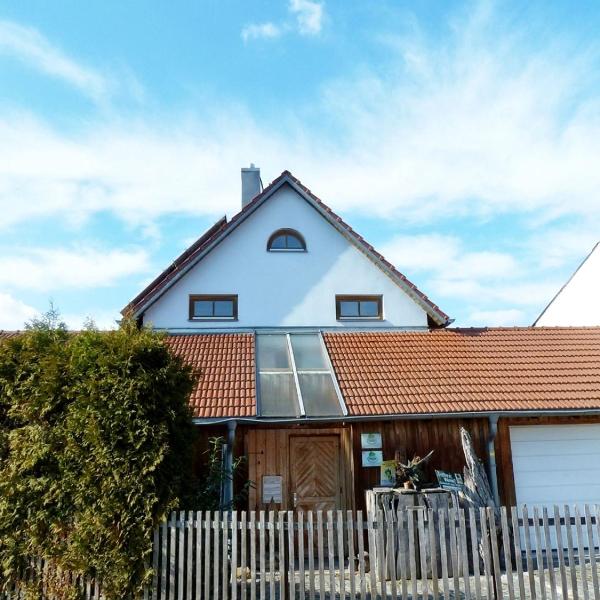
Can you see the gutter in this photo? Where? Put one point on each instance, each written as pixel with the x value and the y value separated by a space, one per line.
pixel 227 493
pixel 491 452
pixel 395 417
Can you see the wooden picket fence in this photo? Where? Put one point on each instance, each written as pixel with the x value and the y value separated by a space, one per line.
pixel 413 553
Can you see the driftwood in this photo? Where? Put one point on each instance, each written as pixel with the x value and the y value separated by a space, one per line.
pixel 477 491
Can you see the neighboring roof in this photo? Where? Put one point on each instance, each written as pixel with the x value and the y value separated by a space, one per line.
pixel 224 365
pixel 467 370
pixel 576 303
pixel 8 334
pixel 222 228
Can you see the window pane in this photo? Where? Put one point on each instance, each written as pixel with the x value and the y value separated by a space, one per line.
pixel 278 243
pixel 369 308
pixel 203 308
pixel 308 353
pixel 278 397
pixel 223 308
pixel 348 308
pixel 293 242
pixel 318 395
pixel 272 352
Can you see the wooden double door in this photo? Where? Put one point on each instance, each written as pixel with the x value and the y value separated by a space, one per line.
pixel 314 467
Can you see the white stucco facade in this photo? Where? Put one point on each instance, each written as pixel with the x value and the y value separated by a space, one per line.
pixel 285 289
pixel 576 304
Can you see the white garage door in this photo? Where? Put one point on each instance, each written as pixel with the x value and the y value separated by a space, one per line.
pixel 556 464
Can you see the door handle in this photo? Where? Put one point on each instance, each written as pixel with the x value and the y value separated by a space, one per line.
pixel 295 499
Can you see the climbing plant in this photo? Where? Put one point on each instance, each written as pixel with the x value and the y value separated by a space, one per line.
pixel 95 449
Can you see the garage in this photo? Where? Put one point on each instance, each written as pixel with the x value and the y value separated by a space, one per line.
pixel 556 464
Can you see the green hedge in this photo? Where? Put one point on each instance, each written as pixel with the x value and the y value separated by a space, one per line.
pixel 95 448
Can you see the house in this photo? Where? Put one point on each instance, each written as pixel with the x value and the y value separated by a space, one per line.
pixel 317 359
pixel 576 303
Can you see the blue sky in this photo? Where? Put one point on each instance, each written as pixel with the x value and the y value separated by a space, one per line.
pixel 461 138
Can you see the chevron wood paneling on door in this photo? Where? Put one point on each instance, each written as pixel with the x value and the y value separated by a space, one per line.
pixel 315 472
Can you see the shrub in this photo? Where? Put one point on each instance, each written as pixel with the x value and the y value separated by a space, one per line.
pixel 95 449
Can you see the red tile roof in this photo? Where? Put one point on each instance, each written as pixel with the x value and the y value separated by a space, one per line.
pixel 222 227
pixel 8 334
pixel 467 370
pixel 224 365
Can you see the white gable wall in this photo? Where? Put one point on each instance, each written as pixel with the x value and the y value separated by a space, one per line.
pixel 284 289
pixel 576 305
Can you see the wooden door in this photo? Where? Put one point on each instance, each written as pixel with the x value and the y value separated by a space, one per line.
pixel 315 472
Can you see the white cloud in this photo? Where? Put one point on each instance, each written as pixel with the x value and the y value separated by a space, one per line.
pixel 47 269
pixel 309 16
pixel 28 45
pixel 307 20
pixel 446 256
pixel 14 313
pixel 498 318
pixel 256 31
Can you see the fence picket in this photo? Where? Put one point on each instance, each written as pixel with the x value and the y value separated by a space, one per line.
pixel 372 553
pixel 351 555
pixel 549 557
pixel 311 554
pixel 331 553
pixel 570 553
pixel 207 536
pixel 528 554
pixel 272 581
pixel 198 576
pixel 443 554
pixel 495 552
pixel 225 557
pixel 281 564
pixel 243 558
pixel 252 533
pixel 539 553
pixel 234 554
pixel 321 553
pixel 592 552
pixel 581 554
pixel 464 552
pixel 391 555
pixel 172 553
pixel 261 553
pixel 423 553
pixel 181 554
pixel 507 552
pixel 453 549
pixel 410 514
pixel 292 577
pixel 360 542
pixel 155 547
pixel 561 556
pixel 516 533
pixel 301 554
pixel 216 554
pixel 402 562
pixel 474 552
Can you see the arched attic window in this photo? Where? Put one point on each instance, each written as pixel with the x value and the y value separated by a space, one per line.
pixel 286 240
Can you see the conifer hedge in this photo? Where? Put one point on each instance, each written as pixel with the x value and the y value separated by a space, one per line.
pixel 95 449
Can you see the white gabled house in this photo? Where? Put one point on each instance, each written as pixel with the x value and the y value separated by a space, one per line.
pixel 305 339
pixel 577 303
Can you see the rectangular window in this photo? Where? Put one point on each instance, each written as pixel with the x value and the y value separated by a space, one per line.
pixel 213 308
pixel 358 307
pixel 295 377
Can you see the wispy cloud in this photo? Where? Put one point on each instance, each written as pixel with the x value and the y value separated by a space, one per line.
pixel 48 269
pixel 31 47
pixel 309 16
pixel 306 18
pixel 14 313
pixel 256 31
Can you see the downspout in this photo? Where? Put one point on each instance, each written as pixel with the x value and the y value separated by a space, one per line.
pixel 228 483
pixel 491 451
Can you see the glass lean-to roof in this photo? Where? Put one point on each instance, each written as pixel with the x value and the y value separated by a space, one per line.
pixel 295 377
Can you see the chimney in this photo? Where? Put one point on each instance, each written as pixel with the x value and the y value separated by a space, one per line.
pixel 251 184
